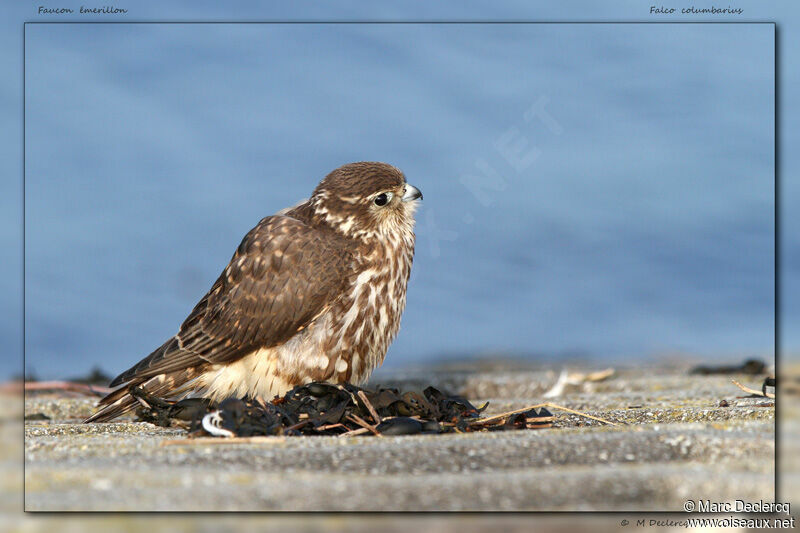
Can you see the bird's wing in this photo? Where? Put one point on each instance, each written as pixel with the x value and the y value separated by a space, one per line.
pixel 282 276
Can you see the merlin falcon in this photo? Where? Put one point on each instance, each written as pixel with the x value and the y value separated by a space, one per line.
pixel 312 293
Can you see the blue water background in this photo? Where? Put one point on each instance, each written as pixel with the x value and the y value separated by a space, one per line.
pixel 631 219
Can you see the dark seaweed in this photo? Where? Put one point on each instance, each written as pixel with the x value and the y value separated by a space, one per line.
pixel 326 409
pixel 751 367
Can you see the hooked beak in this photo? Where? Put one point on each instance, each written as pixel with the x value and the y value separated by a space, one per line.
pixel 412 193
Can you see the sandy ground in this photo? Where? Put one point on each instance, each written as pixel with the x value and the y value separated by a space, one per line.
pixel 674 443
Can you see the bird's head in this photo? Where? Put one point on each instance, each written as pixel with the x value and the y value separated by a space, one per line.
pixel 366 200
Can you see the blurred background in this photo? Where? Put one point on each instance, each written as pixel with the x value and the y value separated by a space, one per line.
pixel 588 126
pixel 597 191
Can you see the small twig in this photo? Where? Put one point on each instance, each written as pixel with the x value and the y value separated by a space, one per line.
pixel 558 388
pixel 538 422
pixel 576 378
pixel 217 440
pixel 371 409
pixel 91 390
pixel 504 415
pixel 753 391
pixel 354 432
pixel 600 375
pixel 364 424
pixel 537 425
pixel 573 411
pixel 12 387
pixel 299 425
pixel 546 404
pixel 73 394
pixel 330 426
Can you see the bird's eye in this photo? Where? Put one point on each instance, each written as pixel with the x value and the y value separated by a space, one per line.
pixel 383 198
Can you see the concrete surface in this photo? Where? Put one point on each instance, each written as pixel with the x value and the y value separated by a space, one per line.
pixel 674 443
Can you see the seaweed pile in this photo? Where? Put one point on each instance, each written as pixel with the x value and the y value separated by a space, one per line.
pixel 326 409
pixel 752 367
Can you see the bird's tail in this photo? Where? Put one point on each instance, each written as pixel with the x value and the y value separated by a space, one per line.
pixel 120 401
pixel 115 404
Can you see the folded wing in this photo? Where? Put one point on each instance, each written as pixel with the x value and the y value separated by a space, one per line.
pixel 283 275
